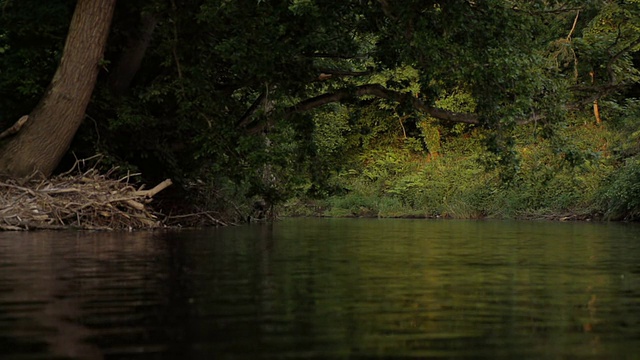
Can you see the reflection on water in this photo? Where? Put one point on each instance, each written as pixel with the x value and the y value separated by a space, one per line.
pixel 318 289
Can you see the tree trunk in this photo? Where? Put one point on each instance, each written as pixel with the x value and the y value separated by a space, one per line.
pixel 131 58
pixel 46 136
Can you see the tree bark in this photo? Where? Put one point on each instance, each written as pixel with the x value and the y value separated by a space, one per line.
pixel 131 58
pixel 45 138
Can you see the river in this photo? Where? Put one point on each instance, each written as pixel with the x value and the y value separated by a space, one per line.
pixel 325 289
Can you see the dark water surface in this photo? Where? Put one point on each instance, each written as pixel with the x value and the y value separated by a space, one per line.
pixel 325 289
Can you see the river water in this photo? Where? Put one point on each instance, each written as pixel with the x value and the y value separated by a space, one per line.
pixel 325 289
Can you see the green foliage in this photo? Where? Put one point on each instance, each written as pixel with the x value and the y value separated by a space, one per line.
pixel 608 42
pixel 620 198
pixel 329 132
pixel 457 100
pixel 31 39
pixel 624 116
pixel 214 101
pixel 405 79
pixel 456 184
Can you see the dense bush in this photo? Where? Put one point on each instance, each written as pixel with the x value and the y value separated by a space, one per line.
pixel 620 198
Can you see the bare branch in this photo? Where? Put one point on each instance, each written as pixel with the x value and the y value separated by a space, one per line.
pixel 15 127
pixel 573 27
pixel 152 192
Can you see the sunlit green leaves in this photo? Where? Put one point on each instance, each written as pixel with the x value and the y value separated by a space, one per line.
pixel 404 79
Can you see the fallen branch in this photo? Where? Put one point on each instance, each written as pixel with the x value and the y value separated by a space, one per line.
pixel 134 204
pixel 151 192
pixel 198 215
pixel 84 201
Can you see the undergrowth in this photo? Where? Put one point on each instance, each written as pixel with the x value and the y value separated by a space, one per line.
pixel 560 177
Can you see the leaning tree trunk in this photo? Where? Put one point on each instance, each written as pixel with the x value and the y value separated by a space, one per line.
pixel 40 144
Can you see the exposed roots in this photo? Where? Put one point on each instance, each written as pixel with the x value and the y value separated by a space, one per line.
pixel 84 201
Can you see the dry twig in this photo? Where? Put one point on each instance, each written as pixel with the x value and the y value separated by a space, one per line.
pixel 85 201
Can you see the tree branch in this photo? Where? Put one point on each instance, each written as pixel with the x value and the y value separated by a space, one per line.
pixel 612 77
pixel 573 27
pixel 559 10
pixel 335 56
pixel 131 57
pixel 174 47
pixel 384 93
pixel 246 117
pixel 596 93
pixel 15 127
pixel 380 91
pixel 326 74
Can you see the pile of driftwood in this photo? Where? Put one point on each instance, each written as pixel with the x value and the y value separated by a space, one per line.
pixel 85 200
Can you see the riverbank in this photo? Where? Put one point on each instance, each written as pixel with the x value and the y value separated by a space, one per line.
pixel 584 178
pixel 587 180
pixel 324 208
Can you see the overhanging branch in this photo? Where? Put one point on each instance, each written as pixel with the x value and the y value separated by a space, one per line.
pixel 384 93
